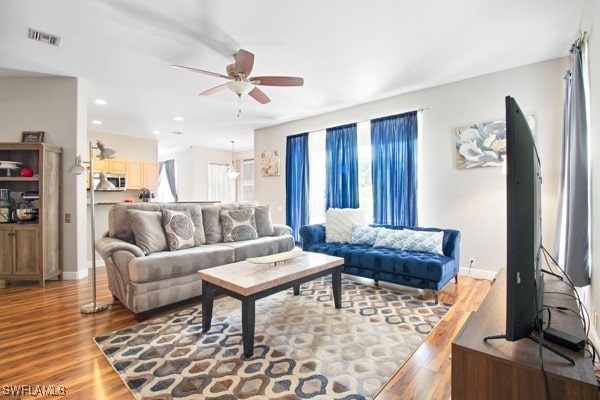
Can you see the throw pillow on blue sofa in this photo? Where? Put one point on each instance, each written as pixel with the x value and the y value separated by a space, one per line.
pixel 409 240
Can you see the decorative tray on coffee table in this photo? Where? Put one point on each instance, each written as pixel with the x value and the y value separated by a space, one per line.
pixel 276 258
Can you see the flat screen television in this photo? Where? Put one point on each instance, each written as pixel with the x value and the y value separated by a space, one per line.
pixel 524 281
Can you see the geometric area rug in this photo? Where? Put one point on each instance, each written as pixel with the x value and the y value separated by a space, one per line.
pixel 304 346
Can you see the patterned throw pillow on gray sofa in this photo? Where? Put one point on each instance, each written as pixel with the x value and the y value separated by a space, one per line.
pixel 179 228
pixel 262 214
pixel 211 219
pixel 238 225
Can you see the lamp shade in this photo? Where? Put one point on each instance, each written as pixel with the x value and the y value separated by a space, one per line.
pixel 105 152
pixel 104 184
pixel 78 168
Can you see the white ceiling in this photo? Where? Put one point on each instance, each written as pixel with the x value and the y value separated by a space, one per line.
pixel 348 51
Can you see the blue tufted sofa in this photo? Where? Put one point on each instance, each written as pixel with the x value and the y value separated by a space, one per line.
pixel 408 268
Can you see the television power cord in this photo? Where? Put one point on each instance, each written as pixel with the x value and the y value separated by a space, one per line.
pixel 583 313
pixel 491 281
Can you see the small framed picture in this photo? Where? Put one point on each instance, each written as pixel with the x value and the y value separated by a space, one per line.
pixel 32 136
pixel 269 163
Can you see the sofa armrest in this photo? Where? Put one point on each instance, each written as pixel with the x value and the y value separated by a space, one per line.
pixel 280 230
pixel 452 246
pixel 106 246
pixel 312 234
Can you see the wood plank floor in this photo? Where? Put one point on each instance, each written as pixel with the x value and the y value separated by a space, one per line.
pixel 45 340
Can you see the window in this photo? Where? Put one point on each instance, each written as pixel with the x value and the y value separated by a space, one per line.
pixel 247 180
pixel 402 144
pixel 317 179
pixel 365 183
pixel 220 186
pixel 163 192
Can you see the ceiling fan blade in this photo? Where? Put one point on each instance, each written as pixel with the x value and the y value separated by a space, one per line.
pixel 259 96
pixel 244 61
pixel 277 80
pixel 213 90
pixel 200 71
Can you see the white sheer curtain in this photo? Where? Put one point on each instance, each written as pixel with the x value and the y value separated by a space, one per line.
pixel 317 176
pixel 247 177
pixel 220 186
pixel 164 191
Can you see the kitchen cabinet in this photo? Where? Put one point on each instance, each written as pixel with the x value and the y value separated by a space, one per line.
pixel 151 175
pixel 99 165
pixel 116 166
pixel 110 165
pixel 31 250
pixel 142 174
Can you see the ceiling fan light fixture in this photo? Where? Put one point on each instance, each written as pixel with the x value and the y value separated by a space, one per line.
pixel 240 87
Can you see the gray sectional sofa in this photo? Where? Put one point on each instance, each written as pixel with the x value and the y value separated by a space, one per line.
pixel 153 251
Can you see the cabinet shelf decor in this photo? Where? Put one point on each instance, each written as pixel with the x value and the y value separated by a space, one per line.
pixel 31 251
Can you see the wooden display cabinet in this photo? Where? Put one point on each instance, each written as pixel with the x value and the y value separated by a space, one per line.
pixel 32 250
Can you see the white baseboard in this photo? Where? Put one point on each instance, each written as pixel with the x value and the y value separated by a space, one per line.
pixel 478 273
pixel 82 273
pixel 74 276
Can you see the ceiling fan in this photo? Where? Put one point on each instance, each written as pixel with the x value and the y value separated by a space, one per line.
pixel 239 80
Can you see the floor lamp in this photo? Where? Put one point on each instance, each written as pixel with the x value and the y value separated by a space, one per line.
pixel 79 169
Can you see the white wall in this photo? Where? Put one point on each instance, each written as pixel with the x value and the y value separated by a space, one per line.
pixel 473 201
pixel 57 106
pixel 127 147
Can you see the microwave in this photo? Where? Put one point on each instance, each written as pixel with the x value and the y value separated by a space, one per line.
pixel 118 180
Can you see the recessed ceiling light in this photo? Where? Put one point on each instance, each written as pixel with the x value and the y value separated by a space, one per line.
pixel 156 132
pixel 100 101
pixel 178 118
pixel 96 122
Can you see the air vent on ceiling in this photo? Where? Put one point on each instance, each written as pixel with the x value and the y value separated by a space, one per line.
pixel 44 37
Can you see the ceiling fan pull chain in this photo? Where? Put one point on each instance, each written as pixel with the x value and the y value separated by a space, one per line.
pixel 239 105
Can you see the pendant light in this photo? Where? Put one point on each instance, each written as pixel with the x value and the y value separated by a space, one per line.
pixel 232 172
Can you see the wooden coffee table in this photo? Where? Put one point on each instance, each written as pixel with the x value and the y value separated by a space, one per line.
pixel 249 282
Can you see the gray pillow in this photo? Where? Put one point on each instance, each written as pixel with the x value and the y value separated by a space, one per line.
pixel 238 225
pixel 148 230
pixel 212 226
pixel 264 225
pixel 179 228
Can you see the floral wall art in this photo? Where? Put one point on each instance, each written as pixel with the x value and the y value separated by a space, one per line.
pixel 483 144
pixel 269 163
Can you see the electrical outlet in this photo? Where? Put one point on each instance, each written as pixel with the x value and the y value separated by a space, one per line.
pixel 67 218
pixel 471 262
